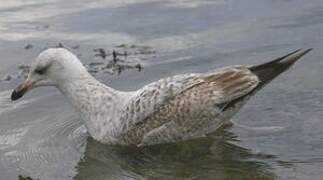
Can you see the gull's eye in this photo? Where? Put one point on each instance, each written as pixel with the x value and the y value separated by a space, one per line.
pixel 40 71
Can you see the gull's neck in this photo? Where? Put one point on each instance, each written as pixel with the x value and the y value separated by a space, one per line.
pixel 99 105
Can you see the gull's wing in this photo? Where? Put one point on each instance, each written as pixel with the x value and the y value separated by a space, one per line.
pixel 192 105
pixel 189 106
pixel 185 102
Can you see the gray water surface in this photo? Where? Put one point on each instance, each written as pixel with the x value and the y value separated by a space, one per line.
pixel 277 135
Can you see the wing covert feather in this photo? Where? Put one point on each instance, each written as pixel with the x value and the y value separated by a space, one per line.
pixel 190 102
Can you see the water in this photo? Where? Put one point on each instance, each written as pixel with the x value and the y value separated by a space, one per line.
pixel 278 135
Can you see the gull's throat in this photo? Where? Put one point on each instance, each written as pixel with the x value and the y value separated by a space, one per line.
pixel 97 104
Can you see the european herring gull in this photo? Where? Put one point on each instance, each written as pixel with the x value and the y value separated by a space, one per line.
pixel 172 109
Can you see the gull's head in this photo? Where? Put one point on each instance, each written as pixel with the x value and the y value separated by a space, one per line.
pixel 51 68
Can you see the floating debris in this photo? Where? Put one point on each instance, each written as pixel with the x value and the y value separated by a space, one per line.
pixel 23 67
pixel 93 71
pixel 60 45
pixel 20 177
pixel 95 63
pixel 28 46
pixel 121 54
pixel 139 67
pixel 76 46
pixel 121 46
pixel 101 53
pixel 122 58
pixel 42 27
pixel 114 56
pixel 6 78
pixel 136 49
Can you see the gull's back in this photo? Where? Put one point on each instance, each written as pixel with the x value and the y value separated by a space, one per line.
pixel 192 105
pixel 185 106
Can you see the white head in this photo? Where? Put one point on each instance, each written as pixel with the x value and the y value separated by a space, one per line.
pixel 51 68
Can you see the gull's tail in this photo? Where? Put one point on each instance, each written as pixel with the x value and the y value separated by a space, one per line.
pixel 268 71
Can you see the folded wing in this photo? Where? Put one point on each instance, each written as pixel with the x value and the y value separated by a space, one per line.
pixel 186 106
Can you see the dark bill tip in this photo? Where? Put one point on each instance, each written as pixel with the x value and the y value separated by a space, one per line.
pixel 308 50
pixel 18 93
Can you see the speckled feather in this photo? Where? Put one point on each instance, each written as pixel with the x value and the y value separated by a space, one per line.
pixel 184 106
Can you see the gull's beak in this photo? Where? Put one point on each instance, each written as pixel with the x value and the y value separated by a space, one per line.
pixel 21 90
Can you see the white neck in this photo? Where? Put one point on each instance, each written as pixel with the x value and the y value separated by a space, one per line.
pixel 99 105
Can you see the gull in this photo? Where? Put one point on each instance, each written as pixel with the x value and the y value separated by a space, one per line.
pixel 172 109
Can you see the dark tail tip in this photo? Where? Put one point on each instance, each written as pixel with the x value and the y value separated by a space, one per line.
pixel 268 71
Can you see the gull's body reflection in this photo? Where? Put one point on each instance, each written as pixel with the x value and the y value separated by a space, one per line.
pixel 216 157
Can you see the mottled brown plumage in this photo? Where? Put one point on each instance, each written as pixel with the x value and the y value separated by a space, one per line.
pixel 191 107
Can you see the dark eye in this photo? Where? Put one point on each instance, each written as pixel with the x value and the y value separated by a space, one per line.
pixel 40 71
